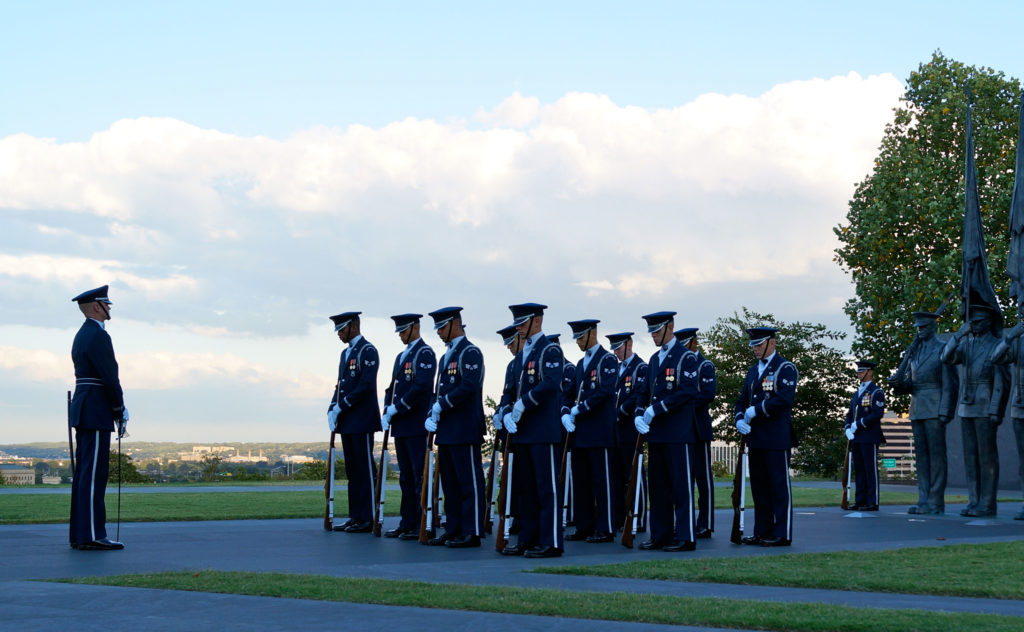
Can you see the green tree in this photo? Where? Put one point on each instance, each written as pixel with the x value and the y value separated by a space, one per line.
pixel 826 382
pixel 902 235
pixel 209 466
pixel 121 464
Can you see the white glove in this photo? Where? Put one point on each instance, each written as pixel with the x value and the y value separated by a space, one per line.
pixel 641 426
pixel 510 422
pixel 122 428
pixel 435 410
pixel 391 411
pixel 385 421
pixel 430 424
pixel 749 414
pixel 124 415
pixel 850 432
pixel 575 411
pixel 648 416
pixel 567 423
pixel 743 426
pixel 332 418
pixel 517 412
pixel 496 419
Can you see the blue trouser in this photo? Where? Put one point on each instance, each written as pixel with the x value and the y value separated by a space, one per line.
pixel 592 490
pixel 409 452
pixel 671 484
pixel 462 477
pixel 92 465
pixel 769 486
pixel 704 481
pixel 865 467
pixel 360 472
pixel 540 499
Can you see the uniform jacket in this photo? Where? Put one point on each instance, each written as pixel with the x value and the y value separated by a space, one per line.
pixel 866 410
pixel 595 396
pixel 540 388
pixel 771 394
pixel 983 384
pixel 630 387
pixel 460 391
pixel 707 386
pixel 98 398
pixel 511 384
pixel 933 384
pixel 356 391
pixel 570 381
pixel 672 391
pixel 411 390
pixel 1010 354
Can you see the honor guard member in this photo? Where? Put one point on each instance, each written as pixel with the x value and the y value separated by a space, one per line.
pixel 568 401
pixel 592 422
pixel 353 414
pixel 514 343
pixel 97 409
pixel 569 378
pixel 457 421
pixel 407 403
pixel 703 478
pixel 631 384
pixel 535 421
pixel 864 431
pixel 763 416
pixel 666 416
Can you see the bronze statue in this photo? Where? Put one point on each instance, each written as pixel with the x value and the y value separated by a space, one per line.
pixel 1010 352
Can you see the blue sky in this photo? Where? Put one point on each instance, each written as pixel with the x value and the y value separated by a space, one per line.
pixel 239 171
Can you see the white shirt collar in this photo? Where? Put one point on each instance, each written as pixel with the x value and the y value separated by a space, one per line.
pixel 100 323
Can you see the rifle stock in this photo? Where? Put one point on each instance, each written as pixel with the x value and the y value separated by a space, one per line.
pixel 738 495
pixel 491 471
pixel 629 527
pixel 565 478
pixel 425 501
pixel 845 503
pixel 378 492
pixel 504 497
pixel 436 495
pixel 329 488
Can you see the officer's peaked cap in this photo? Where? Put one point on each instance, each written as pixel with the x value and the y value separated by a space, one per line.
pixel 581 327
pixel 657 320
pixel 865 365
pixel 524 311
pixel 343 319
pixel 508 334
pixel 684 335
pixel 98 295
pixel 760 334
pixel 617 340
pixel 444 315
pixel 405 321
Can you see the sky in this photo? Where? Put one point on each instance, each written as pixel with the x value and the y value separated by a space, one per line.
pixel 239 171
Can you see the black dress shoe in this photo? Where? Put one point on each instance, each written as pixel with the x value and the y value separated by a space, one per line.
pixel 680 546
pixel 439 540
pixel 751 539
pixel 394 533
pixel 652 545
pixel 412 534
pixel 345 525
pixel 463 542
pixel 544 551
pixel 512 549
pixel 359 527
pixel 703 534
pixel 772 540
pixel 853 507
pixel 599 538
pixel 577 536
pixel 103 544
pixel 869 508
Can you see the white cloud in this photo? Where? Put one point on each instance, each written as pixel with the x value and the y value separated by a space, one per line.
pixel 85 272
pixel 516 111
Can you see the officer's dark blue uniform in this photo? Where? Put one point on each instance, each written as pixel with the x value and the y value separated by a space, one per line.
pixel 568 401
pixel 593 422
pixel 865 419
pixel 357 417
pixel 535 422
pixel 410 393
pixel 768 392
pixel 510 336
pixel 97 403
pixel 630 386
pixel 458 412
pixel 703 478
pixel 672 392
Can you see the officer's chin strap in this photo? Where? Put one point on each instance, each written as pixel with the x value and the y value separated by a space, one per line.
pixel 448 334
pixel 106 310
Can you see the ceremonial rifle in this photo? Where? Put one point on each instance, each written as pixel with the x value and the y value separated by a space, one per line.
pixel 845 504
pixel 505 496
pixel 437 495
pixel 491 480
pixel 379 493
pixel 329 488
pixel 426 508
pixel 629 528
pixel 565 477
pixel 739 494
pixel 71 443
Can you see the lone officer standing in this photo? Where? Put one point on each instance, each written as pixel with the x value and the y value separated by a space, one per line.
pixel 457 418
pixel 354 414
pixel 704 479
pixel 763 414
pixel 631 384
pixel 667 417
pixel 97 409
pixel 535 422
pixel 864 430
pixel 983 387
pixel 407 403
pixel 592 422
pixel 932 387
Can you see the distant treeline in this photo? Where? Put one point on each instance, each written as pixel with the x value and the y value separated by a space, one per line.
pixel 145 450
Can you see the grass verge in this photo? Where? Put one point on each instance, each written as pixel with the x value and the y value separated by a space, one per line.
pixel 963 570
pixel 733 613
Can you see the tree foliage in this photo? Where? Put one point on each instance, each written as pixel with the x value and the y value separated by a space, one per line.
pixel 826 382
pixel 902 235
pixel 122 464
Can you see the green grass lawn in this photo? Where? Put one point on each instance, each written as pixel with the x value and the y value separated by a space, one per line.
pixel 55 508
pixel 966 570
pixel 620 606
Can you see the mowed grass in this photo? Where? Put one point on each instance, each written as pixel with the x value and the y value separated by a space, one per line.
pixel 55 508
pixel 964 570
pixel 620 606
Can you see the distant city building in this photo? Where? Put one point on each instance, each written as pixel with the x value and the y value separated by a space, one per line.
pixel 51 480
pixel 238 458
pixel 14 475
pixel 200 452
